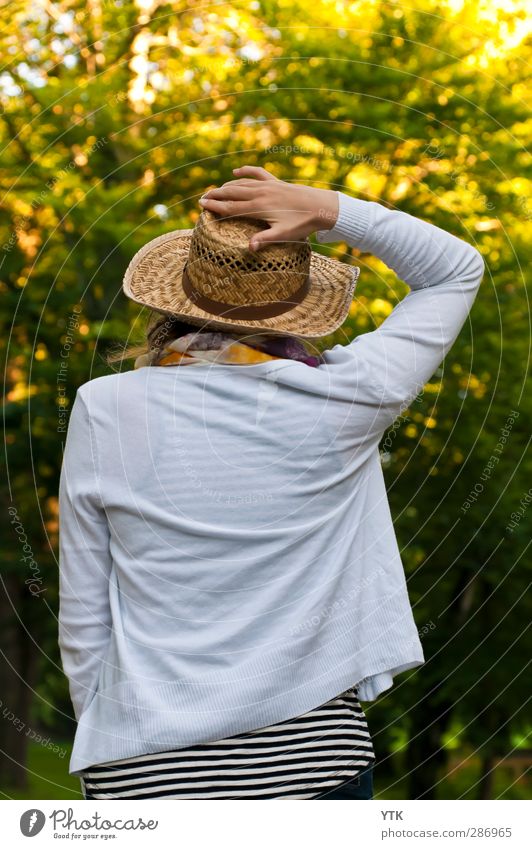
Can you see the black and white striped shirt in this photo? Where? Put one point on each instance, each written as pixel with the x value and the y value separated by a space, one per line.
pixel 297 759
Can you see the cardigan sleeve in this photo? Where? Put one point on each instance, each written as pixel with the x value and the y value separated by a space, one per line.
pixel 84 562
pixel 444 274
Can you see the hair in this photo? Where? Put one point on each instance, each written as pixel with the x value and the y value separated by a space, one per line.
pixel 162 329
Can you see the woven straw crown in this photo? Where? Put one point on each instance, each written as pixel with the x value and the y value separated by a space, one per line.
pixel 209 276
pixel 222 267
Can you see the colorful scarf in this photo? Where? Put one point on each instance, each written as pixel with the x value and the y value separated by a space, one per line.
pixel 209 347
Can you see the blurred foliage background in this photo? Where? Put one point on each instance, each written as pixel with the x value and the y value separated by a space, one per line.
pixel 114 118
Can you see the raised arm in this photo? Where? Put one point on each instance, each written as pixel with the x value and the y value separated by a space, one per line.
pixel 443 272
pixel 84 563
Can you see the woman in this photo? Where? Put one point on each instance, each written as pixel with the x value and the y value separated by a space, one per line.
pixel 230 581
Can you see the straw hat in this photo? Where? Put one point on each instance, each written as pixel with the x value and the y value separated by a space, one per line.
pixel 208 276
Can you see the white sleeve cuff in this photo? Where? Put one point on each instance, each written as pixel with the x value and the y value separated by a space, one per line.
pixel 354 217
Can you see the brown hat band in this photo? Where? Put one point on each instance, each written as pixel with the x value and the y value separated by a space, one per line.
pixel 247 311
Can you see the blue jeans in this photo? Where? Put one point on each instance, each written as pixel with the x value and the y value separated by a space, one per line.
pixel 359 787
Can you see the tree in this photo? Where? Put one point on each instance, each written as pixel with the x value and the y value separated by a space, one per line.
pixel 114 119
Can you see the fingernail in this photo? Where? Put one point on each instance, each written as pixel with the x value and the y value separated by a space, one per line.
pixel 203 201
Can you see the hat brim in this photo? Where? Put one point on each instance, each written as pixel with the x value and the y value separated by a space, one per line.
pixel 154 279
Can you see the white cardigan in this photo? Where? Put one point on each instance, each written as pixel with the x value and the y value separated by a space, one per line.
pixel 227 554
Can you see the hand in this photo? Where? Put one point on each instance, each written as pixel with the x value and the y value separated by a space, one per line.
pixel 292 211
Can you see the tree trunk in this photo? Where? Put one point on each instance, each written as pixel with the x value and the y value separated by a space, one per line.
pixel 426 757
pixel 487 774
pixel 17 674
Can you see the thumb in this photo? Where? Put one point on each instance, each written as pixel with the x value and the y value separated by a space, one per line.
pixel 266 237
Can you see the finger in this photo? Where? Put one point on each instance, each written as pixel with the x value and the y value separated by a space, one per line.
pixel 253 171
pixel 227 208
pixel 267 237
pixel 244 181
pixel 227 192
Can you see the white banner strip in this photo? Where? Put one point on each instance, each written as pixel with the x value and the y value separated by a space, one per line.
pixel 364 824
